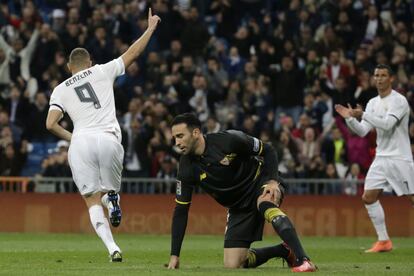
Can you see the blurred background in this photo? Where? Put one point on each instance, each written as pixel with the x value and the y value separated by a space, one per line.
pixel 271 68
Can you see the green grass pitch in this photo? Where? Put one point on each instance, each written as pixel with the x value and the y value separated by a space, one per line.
pixel 73 254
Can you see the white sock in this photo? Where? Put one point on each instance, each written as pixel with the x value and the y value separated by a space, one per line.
pixel 105 200
pixel 376 213
pixel 101 226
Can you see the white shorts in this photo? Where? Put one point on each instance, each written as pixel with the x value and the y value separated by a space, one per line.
pixel 386 173
pixel 96 162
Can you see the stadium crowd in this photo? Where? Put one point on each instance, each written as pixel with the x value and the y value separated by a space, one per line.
pixel 273 69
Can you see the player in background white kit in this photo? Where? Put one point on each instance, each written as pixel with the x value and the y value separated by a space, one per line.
pixel 95 152
pixel 393 165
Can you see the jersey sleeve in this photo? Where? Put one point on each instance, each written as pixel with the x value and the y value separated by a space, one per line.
pixel 183 192
pixel 114 68
pixel 56 102
pixel 244 144
pixel 185 182
pixel 398 108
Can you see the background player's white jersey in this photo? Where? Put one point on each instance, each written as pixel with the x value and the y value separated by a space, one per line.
pixel 88 98
pixel 394 142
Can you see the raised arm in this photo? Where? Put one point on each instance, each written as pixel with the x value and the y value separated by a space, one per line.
pixel 5 47
pixel 31 45
pixel 138 46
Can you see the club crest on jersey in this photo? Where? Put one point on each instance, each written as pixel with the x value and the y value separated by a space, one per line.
pixel 228 159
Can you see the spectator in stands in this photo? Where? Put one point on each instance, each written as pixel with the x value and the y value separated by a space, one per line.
pixel 234 63
pixel 136 157
pixel 174 55
pixel 212 125
pixel 18 56
pixel 335 150
pixel 372 25
pixel 365 90
pixel 342 93
pixel 345 30
pixel 199 100
pixel 58 21
pixel 229 111
pixel 288 154
pixel 357 148
pixel 12 159
pixel 17 106
pixel 168 171
pixel 309 146
pixel 38 114
pixel 194 35
pixel 15 130
pixel 242 56
pixel 314 109
pixel 303 123
pixel 74 36
pixel 48 46
pixel 333 187
pixel 217 81
pixel 353 175
pixel 287 90
pixel 100 46
pixel 328 42
pixel 317 170
pixel 335 69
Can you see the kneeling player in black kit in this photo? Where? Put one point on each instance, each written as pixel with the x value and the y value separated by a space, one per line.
pixel 240 173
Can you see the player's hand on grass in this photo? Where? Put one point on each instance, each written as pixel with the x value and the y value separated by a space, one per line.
pixel 174 262
pixel 153 20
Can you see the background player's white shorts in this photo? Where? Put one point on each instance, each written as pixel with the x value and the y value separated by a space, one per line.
pixel 386 173
pixel 96 162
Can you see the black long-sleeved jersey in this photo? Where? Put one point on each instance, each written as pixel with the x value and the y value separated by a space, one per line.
pixel 227 170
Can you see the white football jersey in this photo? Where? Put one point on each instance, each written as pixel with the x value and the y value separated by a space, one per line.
pixel 88 98
pixel 394 142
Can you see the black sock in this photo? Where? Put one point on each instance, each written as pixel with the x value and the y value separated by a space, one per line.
pixel 262 255
pixel 284 228
pixel 287 233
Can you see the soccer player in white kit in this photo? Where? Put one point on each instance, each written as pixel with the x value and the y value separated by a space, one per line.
pixel 393 165
pixel 95 152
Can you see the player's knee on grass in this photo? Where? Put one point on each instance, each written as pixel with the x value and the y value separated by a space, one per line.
pixel 234 262
pixel 235 257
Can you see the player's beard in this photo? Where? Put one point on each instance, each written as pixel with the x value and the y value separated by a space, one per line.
pixel 192 144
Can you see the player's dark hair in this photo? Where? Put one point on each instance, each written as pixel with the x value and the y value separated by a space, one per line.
pixel 79 56
pixel 386 67
pixel 189 119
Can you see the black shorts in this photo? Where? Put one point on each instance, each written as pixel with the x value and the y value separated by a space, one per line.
pixel 245 226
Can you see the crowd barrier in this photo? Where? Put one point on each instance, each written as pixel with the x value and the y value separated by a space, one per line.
pixel 166 186
pixel 151 214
